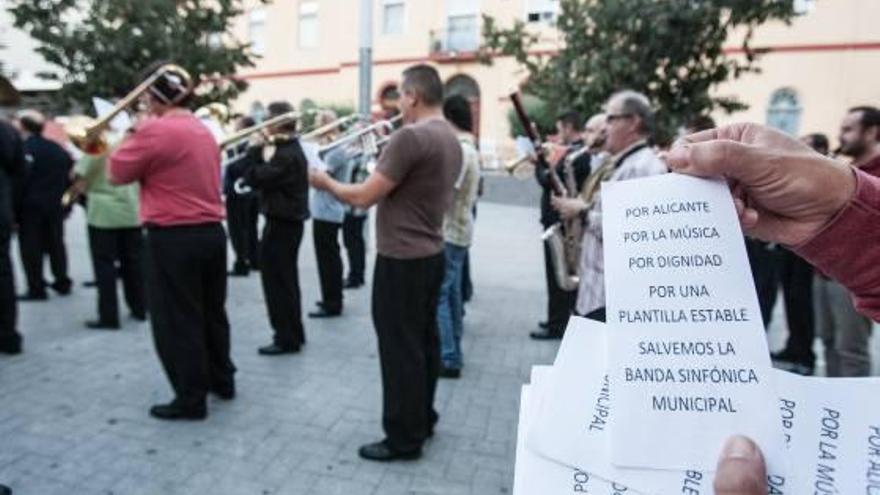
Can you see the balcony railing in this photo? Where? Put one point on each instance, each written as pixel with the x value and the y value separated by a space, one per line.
pixel 461 37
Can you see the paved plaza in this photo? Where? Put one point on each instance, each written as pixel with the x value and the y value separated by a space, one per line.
pixel 73 408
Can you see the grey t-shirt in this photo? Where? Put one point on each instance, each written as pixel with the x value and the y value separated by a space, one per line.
pixel 423 159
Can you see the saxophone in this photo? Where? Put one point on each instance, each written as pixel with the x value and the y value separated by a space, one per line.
pixel 564 238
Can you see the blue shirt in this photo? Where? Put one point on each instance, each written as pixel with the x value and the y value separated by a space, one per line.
pixel 323 205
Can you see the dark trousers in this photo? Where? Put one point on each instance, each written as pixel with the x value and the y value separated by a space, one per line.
pixel 186 287
pixel 125 247
pixel 560 303
pixel 41 234
pixel 10 339
pixel 279 254
pixel 769 269
pixel 242 216
pixel 467 285
pixel 326 240
pixel 596 315
pixel 405 297
pixel 355 246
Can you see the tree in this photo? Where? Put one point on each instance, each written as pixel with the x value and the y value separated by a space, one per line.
pixel 671 50
pixel 103 46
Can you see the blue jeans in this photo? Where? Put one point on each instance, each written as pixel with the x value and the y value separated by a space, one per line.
pixel 449 309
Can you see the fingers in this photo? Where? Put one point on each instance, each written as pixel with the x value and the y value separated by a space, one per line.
pixel 741 469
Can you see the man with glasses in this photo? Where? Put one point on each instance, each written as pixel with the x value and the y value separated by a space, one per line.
pixel 629 123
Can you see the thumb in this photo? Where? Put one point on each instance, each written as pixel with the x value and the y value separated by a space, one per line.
pixel 718 158
pixel 741 469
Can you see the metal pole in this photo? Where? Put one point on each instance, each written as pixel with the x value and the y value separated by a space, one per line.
pixel 365 65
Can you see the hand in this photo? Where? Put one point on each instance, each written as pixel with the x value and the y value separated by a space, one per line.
pixel 784 191
pixel 741 469
pixel 319 179
pixel 568 207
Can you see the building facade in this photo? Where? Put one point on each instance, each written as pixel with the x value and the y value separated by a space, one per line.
pixel 815 68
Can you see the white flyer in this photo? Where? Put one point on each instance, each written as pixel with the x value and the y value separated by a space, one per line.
pixel 833 431
pixel 688 356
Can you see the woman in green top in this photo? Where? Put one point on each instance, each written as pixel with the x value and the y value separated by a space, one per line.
pixel 114 238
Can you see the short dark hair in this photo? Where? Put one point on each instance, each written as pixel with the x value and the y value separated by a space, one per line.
pixel 457 110
pixel 572 118
pixel 281 107
pixel 700 123
pixel 32 122
pixel 870 117
pixel 818 142
pixel 425 81
pixel 246 121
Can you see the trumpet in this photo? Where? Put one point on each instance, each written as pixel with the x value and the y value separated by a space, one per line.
pixel 238 137
pixel 522 167
pixel 323 130
pixel 87 134
pixel 387 125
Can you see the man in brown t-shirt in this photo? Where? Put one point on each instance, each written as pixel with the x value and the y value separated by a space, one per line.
pixel 413 186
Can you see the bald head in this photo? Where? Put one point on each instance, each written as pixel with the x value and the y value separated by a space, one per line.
pixel 594 131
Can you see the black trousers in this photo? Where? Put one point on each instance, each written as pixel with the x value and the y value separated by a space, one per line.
pixel 242 216
pixel 10 339
pixel 560 303
pixel 796 276
pixel 597 314
pixel 764 263
pixel 405 295
pixel 40 234
pixel 279 254
pixel 186 287
pixel 355 246
pixel 326 240
pixel 123 246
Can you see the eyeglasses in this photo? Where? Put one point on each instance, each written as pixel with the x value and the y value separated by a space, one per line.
pixel 611 117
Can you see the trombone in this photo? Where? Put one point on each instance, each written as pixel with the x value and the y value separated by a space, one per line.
pixel 87 134
pixel 238 137
pixel 523 167
pixel 323 130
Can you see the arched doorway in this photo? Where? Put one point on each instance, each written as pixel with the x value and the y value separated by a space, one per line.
pixel 464 85
pixel 784 111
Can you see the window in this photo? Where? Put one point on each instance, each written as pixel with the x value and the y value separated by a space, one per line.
pixel 543 11
pixel 804 6
pixel 393 16
pixel 308 24
pixel 462 33
pixel 784 112
pixel 257 31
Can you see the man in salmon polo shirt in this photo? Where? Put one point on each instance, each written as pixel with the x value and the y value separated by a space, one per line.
pixel 175 159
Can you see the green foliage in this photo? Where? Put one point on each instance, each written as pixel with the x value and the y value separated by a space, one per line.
pixel 102 47
pixel 671 50
pixel 538 111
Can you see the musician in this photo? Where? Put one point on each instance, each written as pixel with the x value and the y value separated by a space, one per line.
pixel 12 166
pixel 413 186
pixel 114 237
pixel 629 124
pixel 458 231
pixel 39 211
pixel 328 214
pixel 560 302
pixel 283 186
pixel 176 161
pixel 242 209
pixel 353 226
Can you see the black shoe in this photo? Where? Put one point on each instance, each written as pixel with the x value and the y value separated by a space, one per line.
pixel 12 350
pixel 352 283
pixel 139 316
pixel 546 335
pixel 30 296
pixel 173 411
pixel 453 373
pixel 382 452
pixel 276 350
pixel 323 312
pixel 90 284
pixel 5 490
pixel 62 288
pixel 783 355
pixel 542 325
pixel 225 393
pixel 102 325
